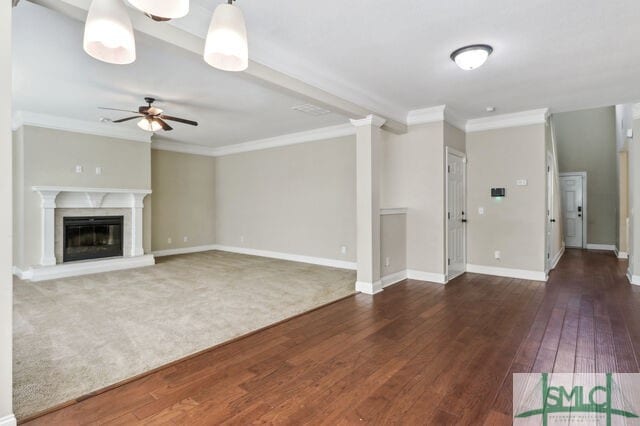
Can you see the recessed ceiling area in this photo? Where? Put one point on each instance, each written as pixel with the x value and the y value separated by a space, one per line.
pixel 565 55
pixel 53 75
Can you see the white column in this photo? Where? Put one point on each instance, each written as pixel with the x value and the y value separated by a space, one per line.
pixel 368 147
pixel 48 255
pixel 6 220
pixel 136 224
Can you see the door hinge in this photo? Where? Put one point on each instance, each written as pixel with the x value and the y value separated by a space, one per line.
pixel 448 215
pixel 548 256
pixel 448 261
pixel 448 169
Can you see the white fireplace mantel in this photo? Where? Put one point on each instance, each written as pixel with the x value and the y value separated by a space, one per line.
pixel 53 197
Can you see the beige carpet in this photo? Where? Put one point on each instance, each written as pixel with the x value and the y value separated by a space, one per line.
pixel 76 335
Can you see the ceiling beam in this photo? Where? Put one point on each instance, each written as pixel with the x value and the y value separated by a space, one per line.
pixel 77 9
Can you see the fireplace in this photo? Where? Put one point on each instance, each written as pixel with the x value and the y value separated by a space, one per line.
pixel 92 237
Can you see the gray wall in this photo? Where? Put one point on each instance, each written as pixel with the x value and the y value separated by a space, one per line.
pixel 298 199
pixel 183 200
pixel 586 142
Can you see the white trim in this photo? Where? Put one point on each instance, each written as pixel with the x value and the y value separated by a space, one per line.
pixel 369 120
pixel 636 111
pixel 73 269
pixel 517 119
pixel 524 274
pixel 394 278
pixel 341 264
pixel 9 420
pixel 413 274
pixel 633 279
pixel 47 121
pixel 607 247
pixel 584 202
pixel 369 288
pixel 184 250
pixel 397 210
pixel 90 190
pixel 426 115
pixel 313 135
pixel 449 150
pixel 557 257
pixel 320 134
pixel 621 254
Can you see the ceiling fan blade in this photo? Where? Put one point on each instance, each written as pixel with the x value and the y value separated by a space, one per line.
pixel 163 123
pixel 179 120
pixel 122 120
pixel 116 109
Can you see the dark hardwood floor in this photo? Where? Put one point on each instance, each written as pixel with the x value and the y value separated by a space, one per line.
pixel 417 353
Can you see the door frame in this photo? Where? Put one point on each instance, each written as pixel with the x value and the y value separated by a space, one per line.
pixel 463 156
pixel 584 202
pixel 548 230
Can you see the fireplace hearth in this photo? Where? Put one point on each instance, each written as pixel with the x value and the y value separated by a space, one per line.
pixel 93 237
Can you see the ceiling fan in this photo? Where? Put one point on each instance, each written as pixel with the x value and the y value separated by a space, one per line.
pixel 152 118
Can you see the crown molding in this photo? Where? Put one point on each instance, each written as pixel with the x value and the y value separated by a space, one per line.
pixel 369 120
pixel 322 133
pixel 47 121
pixel 636 111
pixel 426 115
pixel 517 119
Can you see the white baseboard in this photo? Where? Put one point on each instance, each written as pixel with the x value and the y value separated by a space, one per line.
pixel 557 257
pixel 369 288
pixel 64 270
pixel 394 278
pixel 9 420
pixel 621 254
pixel 413 274
pixel 184 250
pixel 608 247
pixel 342 264
pixel 633 279
pixel 524 274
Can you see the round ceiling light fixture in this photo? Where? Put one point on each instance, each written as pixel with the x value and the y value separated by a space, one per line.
pixel 471 57
pixel 149 124
pixel 108 34
pixel 162 10
pixel 226 47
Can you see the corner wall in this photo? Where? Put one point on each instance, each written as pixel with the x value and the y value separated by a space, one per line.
pixel 515 224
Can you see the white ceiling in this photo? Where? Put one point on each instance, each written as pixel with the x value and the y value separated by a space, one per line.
pixel 391 56
pixel 562 54
pixel 53 75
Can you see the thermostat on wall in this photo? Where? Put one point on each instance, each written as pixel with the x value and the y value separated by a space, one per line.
pixel 498 192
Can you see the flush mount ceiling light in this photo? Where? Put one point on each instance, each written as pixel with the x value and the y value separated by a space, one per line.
pixel 471 57
pixel 226 47
pixel 162 10
pixel 108 34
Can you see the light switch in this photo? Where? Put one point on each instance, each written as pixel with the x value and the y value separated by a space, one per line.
pixel 521 182
pixel 98 170
pixel 78 169
pixel 480 210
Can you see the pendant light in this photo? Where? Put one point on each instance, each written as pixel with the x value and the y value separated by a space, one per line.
pixel 108 33
pixel 162 10
pixel 226 47
pixel 471 57
pixel 149 124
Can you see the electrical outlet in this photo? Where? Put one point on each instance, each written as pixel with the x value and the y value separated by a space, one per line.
pixel 79 169
pixel 169 240
pixel 521 182
pixel 343 249
pixel 497 254
pixel 185 239
pixel 387 262
pixel 98 170
pixel 480 210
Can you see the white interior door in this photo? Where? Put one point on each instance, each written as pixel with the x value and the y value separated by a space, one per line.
pixel 456 228
pixel 572 209
pixel 549 227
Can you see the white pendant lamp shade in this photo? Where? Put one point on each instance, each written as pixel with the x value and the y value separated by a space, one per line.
pixel 226 47
pixel 108 34
pixel 149 124
pixel 169 9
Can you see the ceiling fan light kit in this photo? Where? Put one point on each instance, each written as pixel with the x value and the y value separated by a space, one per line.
pixel 152 118
pixel 162 10
pixel 226 47
pixel 108 33
pixel 149 124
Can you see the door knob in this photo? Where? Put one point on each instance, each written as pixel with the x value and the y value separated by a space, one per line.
pixel 553 220
pixel 464 220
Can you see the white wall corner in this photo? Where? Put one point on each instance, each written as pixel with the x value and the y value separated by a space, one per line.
pixel 451 117
pixel 9 420
pixel 369 120
pixel 431 277
pixel 517 119
pixel 48 121
pixel 369 288
pixel 636 111
pixel 523 274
